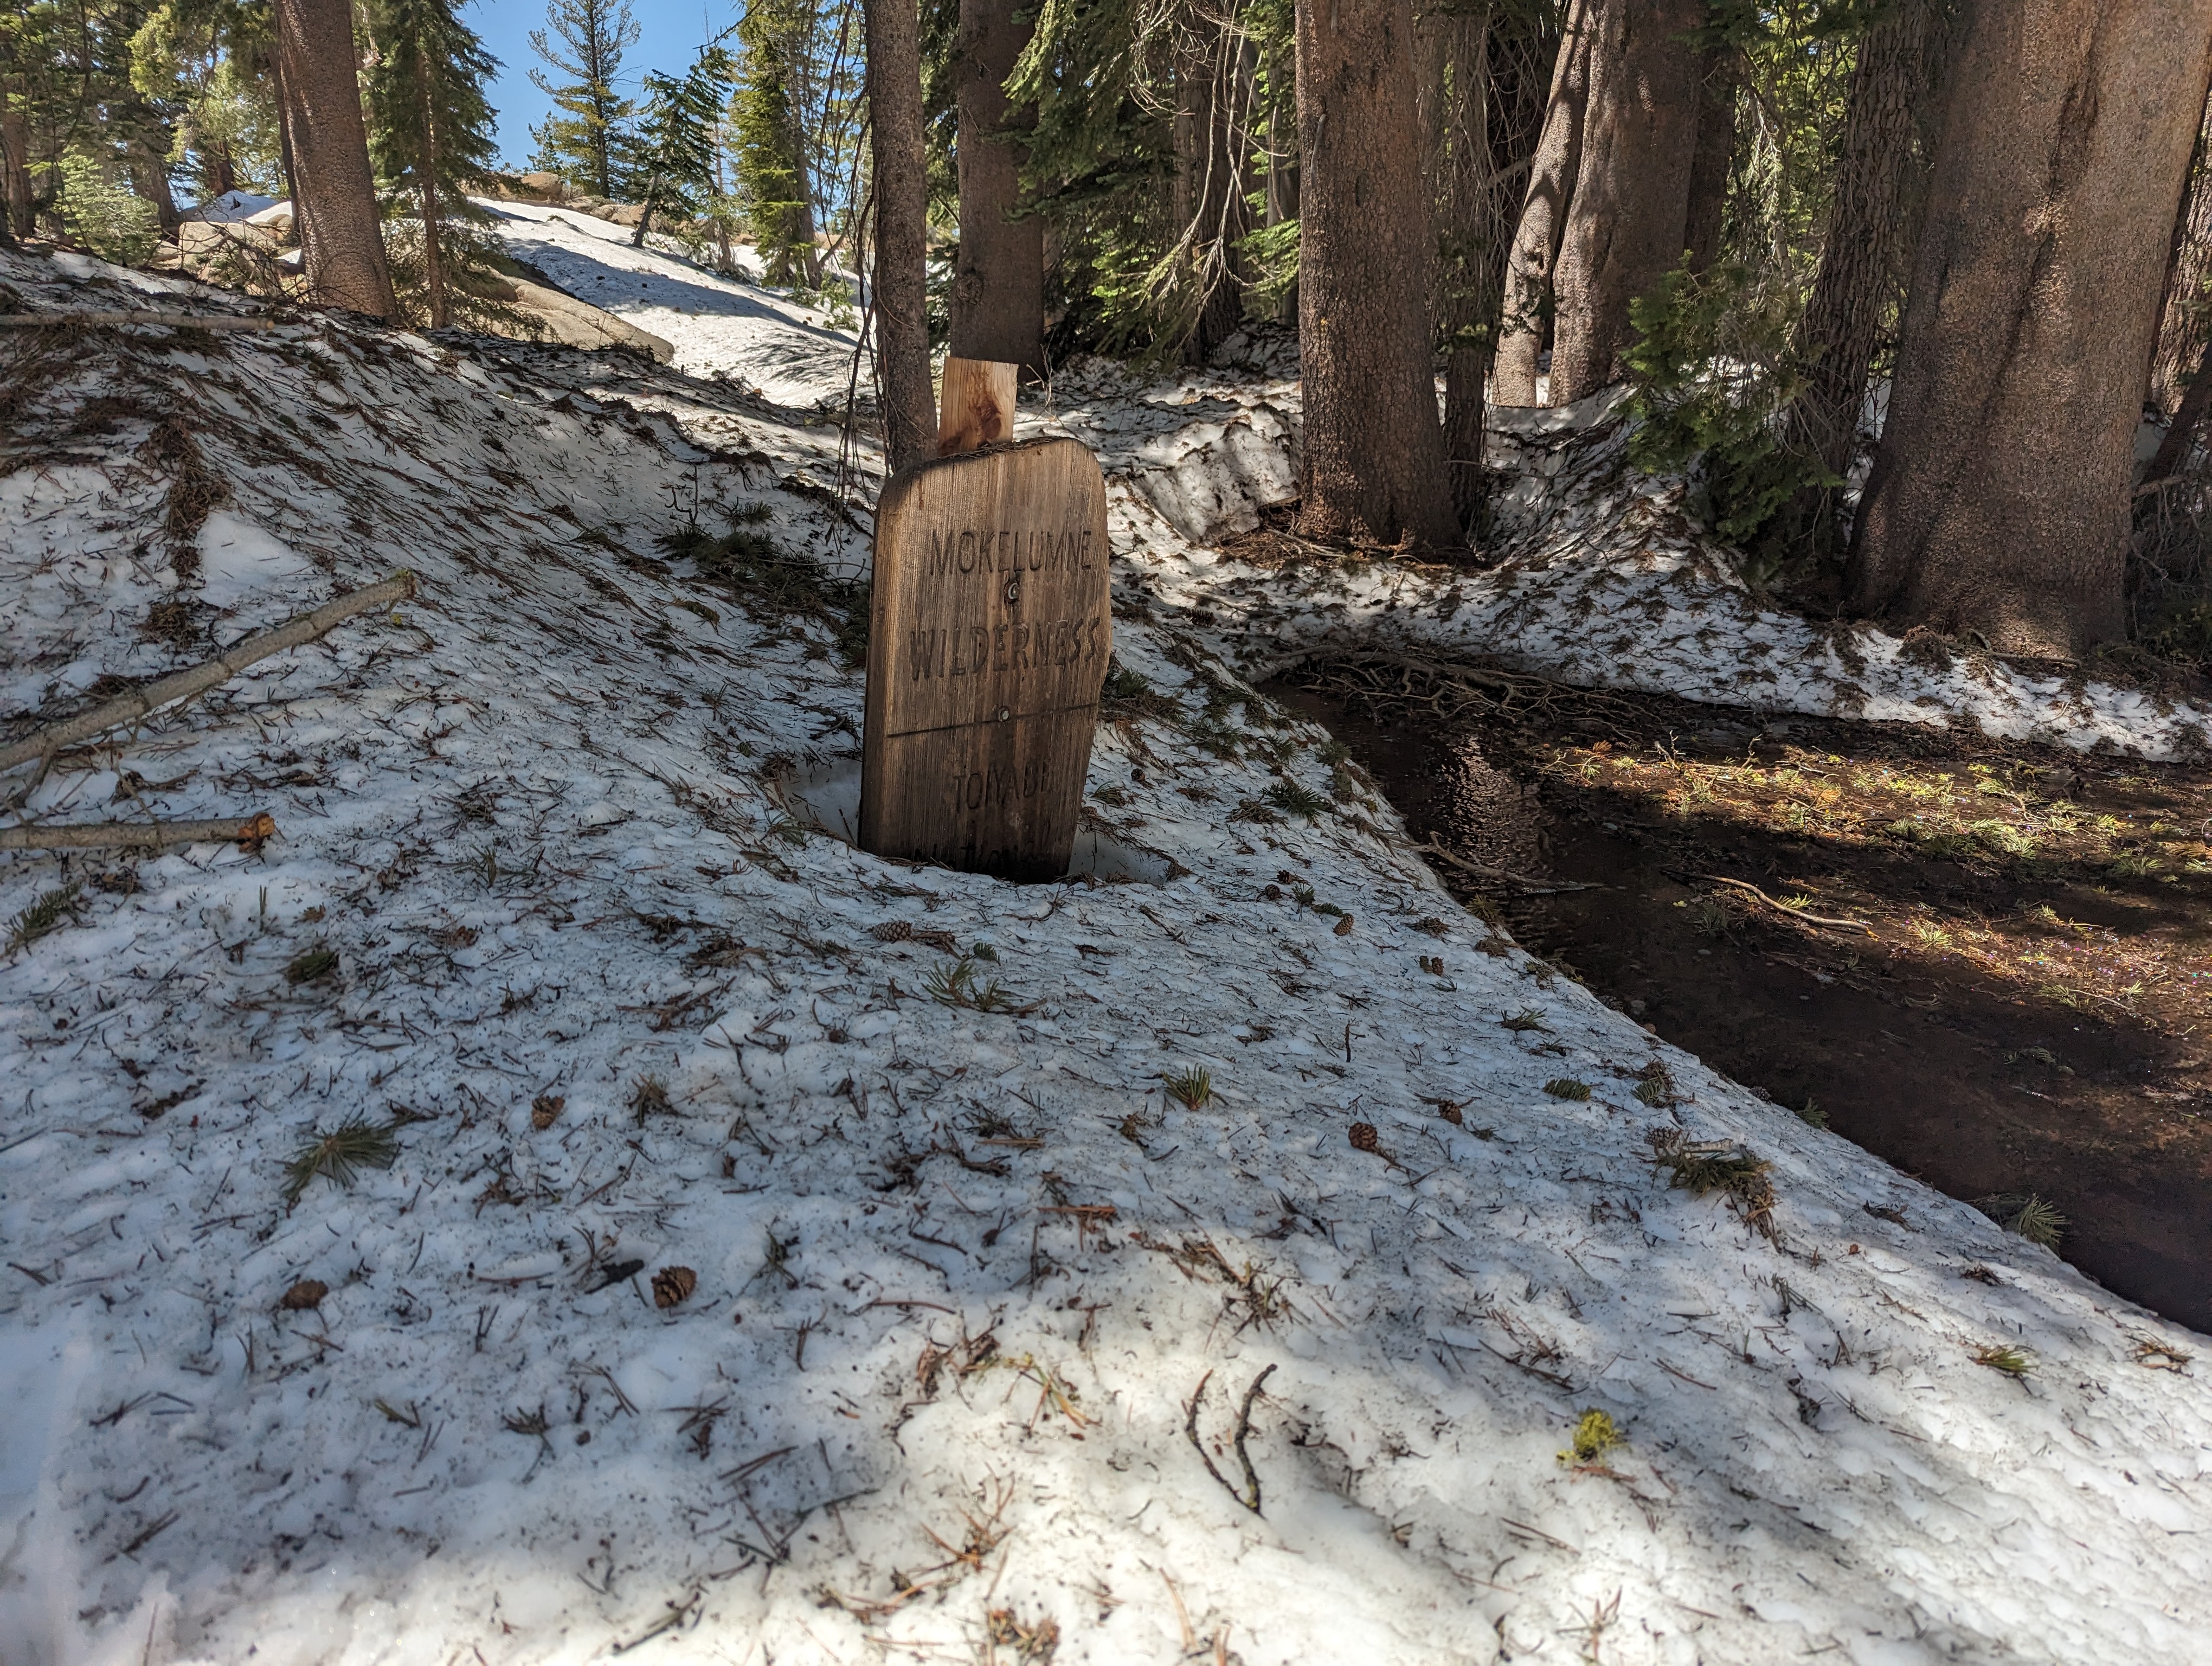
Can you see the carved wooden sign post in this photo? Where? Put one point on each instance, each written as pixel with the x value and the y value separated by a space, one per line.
pixel 989 632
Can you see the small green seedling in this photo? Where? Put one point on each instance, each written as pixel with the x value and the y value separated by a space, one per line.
pixel 311 964
pixel 2011 1361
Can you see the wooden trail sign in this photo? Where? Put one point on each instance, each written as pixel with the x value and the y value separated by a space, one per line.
pixel 990 627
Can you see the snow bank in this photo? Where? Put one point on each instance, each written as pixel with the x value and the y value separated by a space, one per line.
pixel 795 354
pixel 962 1258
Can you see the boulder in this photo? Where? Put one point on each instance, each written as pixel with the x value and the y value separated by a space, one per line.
pixel 277 219
pixel 548 187
pixel 565 319
pixel 622 214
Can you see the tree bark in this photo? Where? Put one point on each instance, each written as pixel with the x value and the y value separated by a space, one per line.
pixel 1718 78
pixel 902 249
pixel 997 300
pixel 1529 262
pixel 334 193
pixel 2185 311
pixel 1842 323
pixel 2181 433
pixel 15 165
pixel 1627 220
pixel 1373 465
pixel 1999 501
pixel 1209 196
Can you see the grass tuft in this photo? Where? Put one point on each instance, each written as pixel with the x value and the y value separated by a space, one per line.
pixel 339 1157
pixel 1193 1087
pixel 955 985
pixel 2011 1361
pixel 2027 1214
pixel 315 962
pixel 44 916
pixel 1596 1434
pixel 1293 800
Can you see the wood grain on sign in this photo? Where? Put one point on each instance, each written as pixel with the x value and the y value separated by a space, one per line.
pixel 976 407
pixel 989 631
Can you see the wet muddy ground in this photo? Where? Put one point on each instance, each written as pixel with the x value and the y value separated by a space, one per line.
pixel 1989 964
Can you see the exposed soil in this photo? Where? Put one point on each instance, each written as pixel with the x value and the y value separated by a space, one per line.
pixel 1989 964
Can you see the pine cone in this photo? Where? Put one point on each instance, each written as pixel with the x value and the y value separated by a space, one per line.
pixel 544 1108
pixel 1449 1112
pixel 891 931
pixel 1364 1137
pixel 672 1284
pixel 306 1294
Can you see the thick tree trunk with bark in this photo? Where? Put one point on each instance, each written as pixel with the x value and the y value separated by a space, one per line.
pixel 1999 502
pixel 2184 326
pixel 1842 323
pixel 334 193
pixel 1373 450
pixel 902 250
pixel 998 289
pixel 1209 192
pixel 1628 219
pixel 1720 74
pixel 1529 262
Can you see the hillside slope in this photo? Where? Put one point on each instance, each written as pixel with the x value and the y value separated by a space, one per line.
pixel 982 1269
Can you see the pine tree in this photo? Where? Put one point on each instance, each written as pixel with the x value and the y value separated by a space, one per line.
pixel 675 152
pixel 585 138
pixel 767 124
pixel 430 135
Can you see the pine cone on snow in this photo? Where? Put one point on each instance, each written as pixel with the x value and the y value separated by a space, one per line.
pixel 1364 1137
pixel 672 1285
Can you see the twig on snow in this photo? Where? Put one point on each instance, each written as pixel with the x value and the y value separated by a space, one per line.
pixel 109 835
pixel 1249 1497
pixel 140 702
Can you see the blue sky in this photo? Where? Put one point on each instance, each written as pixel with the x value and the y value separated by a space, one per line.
pixel 669 32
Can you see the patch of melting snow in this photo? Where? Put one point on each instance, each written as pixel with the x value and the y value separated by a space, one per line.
pixel 989 1195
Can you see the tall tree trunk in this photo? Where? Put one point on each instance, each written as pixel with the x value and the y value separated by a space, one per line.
pixel 1719 77
pixel 433 251
pixel 2181 433
pixel 1859 259
pixel 334 193
pixel 997 301
pixel 1455 95
pixel 1629 215
pixel 902 251
pixel 1374 449
pixel 1529 262
pixel 1999 501
pixel 15 165
pixel 1209 196
pixel 2185 311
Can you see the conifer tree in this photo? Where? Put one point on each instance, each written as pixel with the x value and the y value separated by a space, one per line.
pixel 675 153
pixel 430 135
pixel 767 124
pixel 584 138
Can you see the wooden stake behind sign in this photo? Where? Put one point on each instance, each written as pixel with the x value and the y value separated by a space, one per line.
pixel 989 631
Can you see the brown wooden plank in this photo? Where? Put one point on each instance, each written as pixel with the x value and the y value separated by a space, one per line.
pixel 975 405
pixel 990 631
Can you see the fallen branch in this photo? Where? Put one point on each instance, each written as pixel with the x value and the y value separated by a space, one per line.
pixel 1249 1497
pixel 140 702
pixel 164 320
pixel 110 836
pixel 1480 870
pixel 1784 908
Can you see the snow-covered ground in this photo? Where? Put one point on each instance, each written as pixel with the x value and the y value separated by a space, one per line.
pixel 795 354
pixel 962 1260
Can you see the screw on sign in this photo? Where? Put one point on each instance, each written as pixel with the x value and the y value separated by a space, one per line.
pixel 988 639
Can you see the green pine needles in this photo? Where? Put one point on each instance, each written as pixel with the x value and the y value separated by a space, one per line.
pixel 44 915
pixel 340 1156
pixel 768 127
pixel 431 139
pixel 675 155
pixel 585 136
